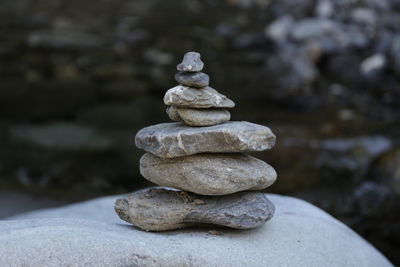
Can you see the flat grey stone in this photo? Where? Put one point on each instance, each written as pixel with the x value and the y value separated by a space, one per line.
pixel 169 140
pixel 159 209
pixel 187 97
pixel 91 234
pixel 194 79
pixel 198 117
pixel 191 62
pixel 209 174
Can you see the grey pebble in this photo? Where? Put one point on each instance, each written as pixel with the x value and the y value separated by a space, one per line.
pixel 191 63
pixel 198 117
pixel 194 79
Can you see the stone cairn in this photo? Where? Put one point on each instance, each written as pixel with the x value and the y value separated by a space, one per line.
pixel 202 156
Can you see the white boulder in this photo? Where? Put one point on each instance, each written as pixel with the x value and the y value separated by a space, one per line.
pixel 91 234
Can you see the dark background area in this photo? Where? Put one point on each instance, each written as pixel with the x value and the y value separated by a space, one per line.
pixel 78 79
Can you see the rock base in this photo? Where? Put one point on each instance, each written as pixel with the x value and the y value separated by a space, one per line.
pixel 91 234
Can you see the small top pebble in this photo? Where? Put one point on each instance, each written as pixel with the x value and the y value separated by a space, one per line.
pixel 191 63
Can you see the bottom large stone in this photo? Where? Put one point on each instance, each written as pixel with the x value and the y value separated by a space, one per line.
pixel 91 234
pixel 159 209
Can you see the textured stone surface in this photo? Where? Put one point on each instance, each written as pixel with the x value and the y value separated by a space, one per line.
pixel 186 97
pixel 209 174
pixel 159 209
pixel 170 140
pixel 199 117
pixel 191 62
pixel 195 79
pixel 91 234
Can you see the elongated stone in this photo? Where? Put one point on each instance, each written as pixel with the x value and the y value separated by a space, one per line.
pixel 209 174
pixel 198 117
pixel 194 79
pixel 169 140
pixel 158 209
pixel 187 97
pixel 191 63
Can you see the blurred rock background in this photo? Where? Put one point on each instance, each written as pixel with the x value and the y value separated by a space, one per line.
pixel 78 79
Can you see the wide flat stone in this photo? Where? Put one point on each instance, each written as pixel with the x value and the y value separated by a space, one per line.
pixel 209 174
pixel 90 233
pixel 187 97
pixel 159 209
pixel 169 140
pixel 198 117
pixel 191 62
pixel 193 79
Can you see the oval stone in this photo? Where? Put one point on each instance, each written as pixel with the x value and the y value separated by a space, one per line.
pixel 198 117
pixel 194 79
pixel 209 174
pixel 159 209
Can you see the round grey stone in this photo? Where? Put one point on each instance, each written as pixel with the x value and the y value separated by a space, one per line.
pixel 169 140
pixel 195 79
pixel 198 117
pixel 187 97
pixel 159 209
pixel 209 174
pixel 191 62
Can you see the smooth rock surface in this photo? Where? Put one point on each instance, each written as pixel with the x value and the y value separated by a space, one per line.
pixel 169 140
pixel 198 117
pixel 159 209
pixel 209 174
pixel 91 234
pixel 187 97
pixel 191 62
pixel 195 79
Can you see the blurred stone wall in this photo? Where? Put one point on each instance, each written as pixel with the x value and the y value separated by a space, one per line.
pixel 78 79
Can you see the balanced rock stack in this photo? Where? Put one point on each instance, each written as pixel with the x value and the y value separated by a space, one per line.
pixel 201 157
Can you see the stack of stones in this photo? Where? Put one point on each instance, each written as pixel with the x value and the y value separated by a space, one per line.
pixel 201 157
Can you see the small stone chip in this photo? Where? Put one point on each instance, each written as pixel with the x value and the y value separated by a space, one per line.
pixel 215 232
